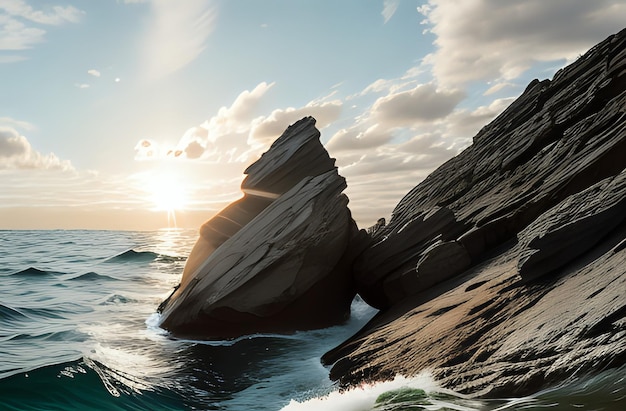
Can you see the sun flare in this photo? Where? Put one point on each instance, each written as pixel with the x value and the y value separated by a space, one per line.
pixel 168 193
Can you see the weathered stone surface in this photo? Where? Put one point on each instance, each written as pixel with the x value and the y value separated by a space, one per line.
pixel 265 261
pixel 572 227
pixel 386 261
pixel 535 215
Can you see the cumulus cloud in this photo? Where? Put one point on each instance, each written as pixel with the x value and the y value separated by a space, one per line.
pixel 266 129
pixel 238 133
pixel 491 39
pixel 176 35
pixel 422 104
pixel 94 72
pixel 221 138
pixel 17 31
pixel 17 153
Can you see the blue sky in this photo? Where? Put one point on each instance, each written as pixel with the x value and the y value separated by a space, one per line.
pixel 97 97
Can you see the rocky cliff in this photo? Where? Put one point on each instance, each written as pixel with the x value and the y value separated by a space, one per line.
pixel 504 271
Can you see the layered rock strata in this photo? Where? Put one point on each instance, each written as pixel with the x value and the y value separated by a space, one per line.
pixel 278 259
pixel 504 271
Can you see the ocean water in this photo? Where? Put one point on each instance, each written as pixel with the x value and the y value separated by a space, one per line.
pixel 78 331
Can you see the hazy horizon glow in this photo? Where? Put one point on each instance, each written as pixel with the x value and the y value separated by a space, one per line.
pixel 130 114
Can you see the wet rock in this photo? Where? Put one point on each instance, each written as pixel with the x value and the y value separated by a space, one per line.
pixel 277 260
pixel 526 255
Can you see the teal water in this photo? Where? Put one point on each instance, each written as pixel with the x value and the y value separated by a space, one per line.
pixel 78 331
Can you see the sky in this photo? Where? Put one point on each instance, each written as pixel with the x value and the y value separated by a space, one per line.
pixel 143 114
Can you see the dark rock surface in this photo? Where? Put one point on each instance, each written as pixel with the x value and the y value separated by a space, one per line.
pixel 504 271
pixel 277 260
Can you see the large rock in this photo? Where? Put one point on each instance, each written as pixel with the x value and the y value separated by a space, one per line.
pixel 526 265
pixel 277 260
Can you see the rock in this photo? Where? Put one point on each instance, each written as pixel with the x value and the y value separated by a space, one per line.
pixel 572 227
pixel 522 271
pixel 264 262
pixel 379 270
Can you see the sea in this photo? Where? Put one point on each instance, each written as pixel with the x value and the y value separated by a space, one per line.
pixel 79 331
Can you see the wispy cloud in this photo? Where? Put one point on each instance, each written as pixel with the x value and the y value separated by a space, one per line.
pixel 94 72
pixel 20 25
pixel 56 16
pixel 13 123
pixel 176 35
pixel 389 9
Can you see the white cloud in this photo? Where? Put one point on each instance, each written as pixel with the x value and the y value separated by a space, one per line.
pixel 15 35
pixel 81 85
pixel 222 138
pixel 423 103
pixel 267 129
pixel 16 24
pixel 13 123
pixel 389 9
pixel 56 15
pixel 498 87
pixel 176 35
pixel 491 39
pixel 94 72
pixel 17 153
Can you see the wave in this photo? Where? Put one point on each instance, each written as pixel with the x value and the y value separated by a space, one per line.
pixel 133 256
pixel 117 299
pixel 92 276
pixel 11 314
pixel 83 384
pixel 35 272
pixel 143 256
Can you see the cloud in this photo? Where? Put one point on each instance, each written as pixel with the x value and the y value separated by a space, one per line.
pixel 266 129
pixel 11 122
pixel 17 153
pixel 94 72
pixel 491 39
pixel 389 9
pixel 81 85
pixel 222 138
pixel 56 16
pixel 17 31
pixel 423 103
pixel 176 35
pixel 355 139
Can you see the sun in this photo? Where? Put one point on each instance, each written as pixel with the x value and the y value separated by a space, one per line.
pixel 168 194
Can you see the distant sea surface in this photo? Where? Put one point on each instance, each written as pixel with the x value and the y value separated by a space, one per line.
pixel 79 331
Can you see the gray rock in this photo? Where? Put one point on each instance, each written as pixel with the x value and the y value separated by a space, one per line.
pixel 265 261
pixel 539 211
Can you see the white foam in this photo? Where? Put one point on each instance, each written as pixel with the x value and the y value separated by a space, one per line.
pixel 363 397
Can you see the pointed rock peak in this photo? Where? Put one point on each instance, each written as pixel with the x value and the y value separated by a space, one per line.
pixel 296 154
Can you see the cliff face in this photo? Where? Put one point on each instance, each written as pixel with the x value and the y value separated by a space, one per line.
pixel 505 270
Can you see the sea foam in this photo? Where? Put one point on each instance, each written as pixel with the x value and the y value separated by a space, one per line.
pixel 363 397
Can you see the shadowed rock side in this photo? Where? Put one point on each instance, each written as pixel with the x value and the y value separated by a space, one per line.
pixel 504 271
pixel 278 259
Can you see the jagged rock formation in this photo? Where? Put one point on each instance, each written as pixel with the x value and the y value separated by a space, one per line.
pixel 504 271
pixel 278 259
